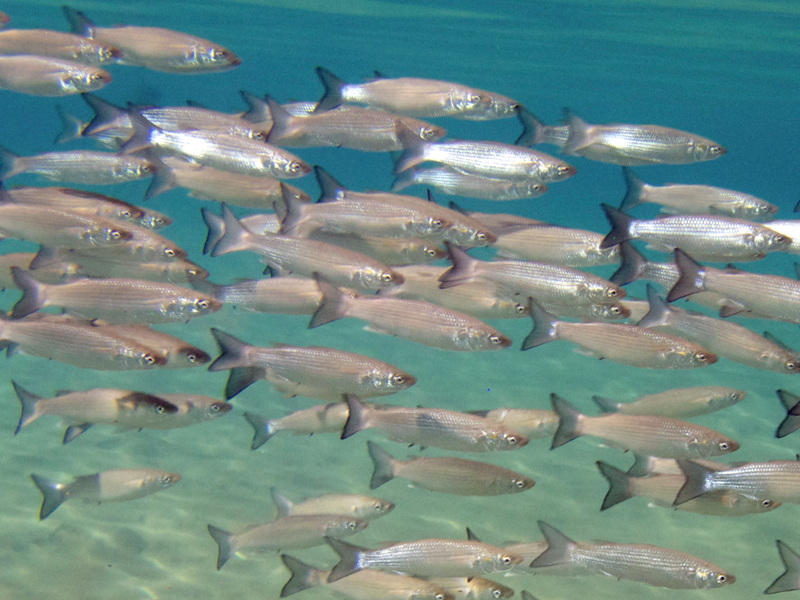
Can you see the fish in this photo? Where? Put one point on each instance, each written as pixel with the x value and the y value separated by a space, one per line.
pixel 790 403
pixel 431 427
pixel 495 160
pixel 533 423
pixel 662 488
pixel 631 145
pixel 113 300
pixel 645 563
pixel 208 183
pixel 472 588
pixel 193 409
pixel 452 182
pixel 694 199
pixel 156 48
pixel 77 166
pixel 447 475
pixel 545 282
pixel 789 580
pixel 356 505
pixel 55 271
pixel 769 296
pixel 174 352
pixel 416 97
pixel 479 299
pixel 232 153
pixel 619 342
pixel 323 418
pixel 56 44
pixel 300 531
pixel 395 252
pixel 415 320
pixel 77 342
pixel 115 485
pixel 677 402
pixel 297 255
pixel 556 245
pixel 733 239
pixel 778 480
pixel 643 434
pixel 313 371
pixel 362 585
pixel 365 129
pixel 44 76
pixel 433 557
pixel 283 295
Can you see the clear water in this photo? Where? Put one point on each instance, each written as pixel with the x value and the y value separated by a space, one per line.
pixel 727 70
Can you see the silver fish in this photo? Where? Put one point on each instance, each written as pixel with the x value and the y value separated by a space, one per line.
pixel 156 48
pixel 455 183
pixel 362 585
pixel 677 403
pixel 694 199
pixel 116 485
pixel 733 239
pixel 652 565
pixel 556 245
pixel 309 371
pixel 68 46
pixel 431 427
pixel 630 145
pixel 472 588
pixel 427 558
pixel 447 475
pixel 174 352
pixel 301 531
pixel 643 434
pixel 417 97
pixel 394 252
pixel 283 295
pixel 414 320
pixel 533 423
pixel 323 418
pixel 622 343
pixel 355 505
pixel 77 166
pixel 778 480
pixel 43 76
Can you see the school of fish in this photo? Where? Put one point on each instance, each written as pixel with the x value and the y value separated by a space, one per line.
pixel 402 265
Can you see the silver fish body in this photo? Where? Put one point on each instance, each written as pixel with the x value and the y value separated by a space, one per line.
pixel 533 423
pixel 556 245
pixel 778 480
pixel 354 505
pixel 43 76
pixel 323 418
pixel 677 403
pixel 79 166
pixel 56 44
pixel 455 183
pixel 283 295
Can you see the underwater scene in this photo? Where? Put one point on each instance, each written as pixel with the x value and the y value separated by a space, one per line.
pixel 625 115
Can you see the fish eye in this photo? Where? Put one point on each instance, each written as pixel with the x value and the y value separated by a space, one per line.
pixel 475 98
pixel 398 379
pixel 724 445
pixel 428 133
pixel 495 339
pixel 126 214
pixel 260 136
pixel 430 252
pixel 520 309
pixel 115 234
pixel 160 409
pixel 203 304
pixel 215 407
pixel 790 365
pixel 192 357
pixel 612 292
pixel 715 149
pixel 387 277
pixel 721 579
pixel 294 166
pixel 766 503
pixel 147 168
pixel 701 356
pixel 438 223
pixel 149 359
pixel 439 596
pixel 497 594
pixel 506 560
pixel 512 439
pixel 615 310
pixel 169 252
pixel 779 239
pixel 519 483
pixel 167 479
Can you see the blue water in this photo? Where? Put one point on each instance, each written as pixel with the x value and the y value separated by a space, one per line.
pixel 725 70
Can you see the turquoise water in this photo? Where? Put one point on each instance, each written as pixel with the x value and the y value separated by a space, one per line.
pixel 726 70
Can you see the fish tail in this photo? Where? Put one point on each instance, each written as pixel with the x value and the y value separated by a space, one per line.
pixel 330 188
pixel 691 277
pixel 788 580
pixel 695 484
pixel 632 265
pixel 28 401
pixel 569 421
pixel 289 212
pixel 532 128
pixel 791 423
pixel 71 126
pixel 333 305
pixel 163 180
pixel 634 191
pixel 263 430
pixel 302 576
pixel 283 123
pixel 349 559
pixel 578 133
pixel 257 110
pixel 8 160
pixel 606 404
pixel 659 314
pixel 79 23
pixel 462 271
pixel 142 128
pixel 225 234
pixel 356 416
pixel 404 180
pixel 282 503
pixel 32 298
pixel 233 351
pixel 106 115
pixel 225 540
pixel 544 326
pixel 618 488
pixel 413 148
pixel 54 495
pixel 241 378
pixel 620 227
pixel 558 548
pixel 384 465
pixel 332 97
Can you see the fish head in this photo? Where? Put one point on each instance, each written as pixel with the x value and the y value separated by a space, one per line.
pixel 558 171
pixel 792 365
pixel 705 577
pixel 601 292
pixel 534 189
pixel 212 56
pixel 476 338
pixel 500 562
pixel 164 480
pixel 506 440
pixel 378 508
pixel 107 236
pixel 290 167
pixel 468 103
pixel 610 312
pixel 85 80
pixel 772 240
pixel 466 235
pixel 384 382
pixel 342 527
pixel 430 133
pixel 189 356
pixel 706 150
pixel 424 252
pixel 371 278
pixel 705 447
